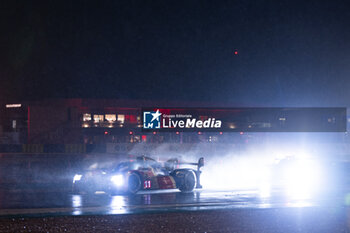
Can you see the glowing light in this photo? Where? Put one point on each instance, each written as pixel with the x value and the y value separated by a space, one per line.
pixel 118 180
pixel 13 105
pixel 110 117
pixel 130 132
pixel 233 173
pixel 106 132
pixel 265 190
pixel 86 117
pixel 302 179
pixel 77 177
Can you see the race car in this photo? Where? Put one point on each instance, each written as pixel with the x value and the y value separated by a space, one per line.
pixel 144 173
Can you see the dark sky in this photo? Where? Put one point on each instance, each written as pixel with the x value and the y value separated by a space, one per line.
pixel 289 52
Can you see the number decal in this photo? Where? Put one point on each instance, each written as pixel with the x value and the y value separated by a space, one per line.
pixel 147 184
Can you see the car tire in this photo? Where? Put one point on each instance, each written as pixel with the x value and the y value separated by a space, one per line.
pixel 134 183
pixel 188 182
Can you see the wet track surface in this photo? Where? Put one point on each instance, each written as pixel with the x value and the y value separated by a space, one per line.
pixel 51 204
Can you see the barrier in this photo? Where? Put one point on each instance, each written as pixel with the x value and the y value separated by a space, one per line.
pixel 75 148
pixel 339 150
pixel 46 149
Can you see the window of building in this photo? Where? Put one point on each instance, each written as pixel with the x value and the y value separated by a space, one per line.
pixel 121 118
pixel 98 118
pixel 86 117
pixel 110 117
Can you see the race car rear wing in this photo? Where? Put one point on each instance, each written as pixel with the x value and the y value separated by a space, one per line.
pixel 174 163
pixel 199 164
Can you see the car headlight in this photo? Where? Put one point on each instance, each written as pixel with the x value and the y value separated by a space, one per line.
pixel 303 179
pixel 118 180
pixel 77 177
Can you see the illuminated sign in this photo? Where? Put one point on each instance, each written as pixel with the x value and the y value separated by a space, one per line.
pixel 13 105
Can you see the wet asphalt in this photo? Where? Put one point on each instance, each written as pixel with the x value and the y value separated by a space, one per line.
pixel 172 211
pixel 63 203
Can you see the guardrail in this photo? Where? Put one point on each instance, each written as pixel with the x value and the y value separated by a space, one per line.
pixel 47 148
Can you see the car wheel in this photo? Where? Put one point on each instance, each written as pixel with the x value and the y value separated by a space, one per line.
pixel 134 183
pixel 189 182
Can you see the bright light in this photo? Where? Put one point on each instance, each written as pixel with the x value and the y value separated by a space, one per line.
pixel 118 180
pixel 303 179
pixel 236 173
pixel 266 169
pixel 265 189
pixel 77 177
pixel 13 105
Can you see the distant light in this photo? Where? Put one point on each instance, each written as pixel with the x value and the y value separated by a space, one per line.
pixel 177 132
pixel 232 126
pixel 241 133
pixel 220 133
pixel 236 52
pixel 13 105
pixel 154 132
pixel 199 133
pixel 76 177
pixel 130 132
pixel 106 132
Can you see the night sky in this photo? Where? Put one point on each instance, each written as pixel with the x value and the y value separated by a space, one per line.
pixel 290 53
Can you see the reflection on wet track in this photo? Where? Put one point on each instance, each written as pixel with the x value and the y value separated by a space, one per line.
pixel 157 201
